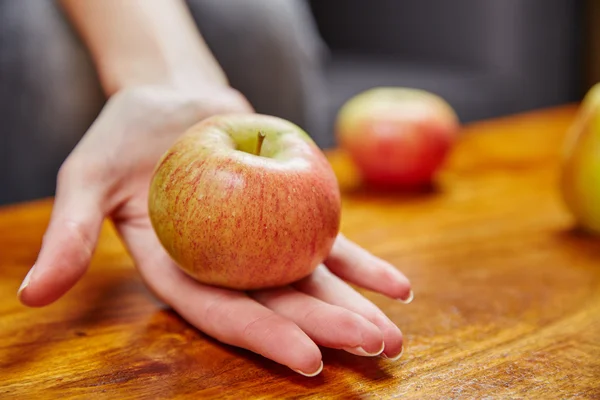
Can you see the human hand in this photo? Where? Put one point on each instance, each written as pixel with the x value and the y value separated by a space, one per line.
pixel 107 176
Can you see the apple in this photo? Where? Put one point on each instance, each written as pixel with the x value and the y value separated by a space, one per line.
pixel 580 174
pixel 245 201
pixel 397 137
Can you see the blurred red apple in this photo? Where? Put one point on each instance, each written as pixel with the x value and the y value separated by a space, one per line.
pixel 245 202
pixel 396 136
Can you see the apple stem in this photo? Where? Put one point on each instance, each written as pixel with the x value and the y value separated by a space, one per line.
pixel 261 139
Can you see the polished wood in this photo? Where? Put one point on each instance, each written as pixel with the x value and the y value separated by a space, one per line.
pixel 507 296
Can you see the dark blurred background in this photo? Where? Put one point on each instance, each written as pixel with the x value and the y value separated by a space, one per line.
pixel 486 58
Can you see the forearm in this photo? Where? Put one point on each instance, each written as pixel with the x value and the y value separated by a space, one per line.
pixel 137 42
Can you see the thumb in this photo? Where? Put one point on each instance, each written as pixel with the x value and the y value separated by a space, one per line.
pixel 68 244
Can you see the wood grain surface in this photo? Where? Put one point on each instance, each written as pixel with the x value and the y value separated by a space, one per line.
pixel 507 296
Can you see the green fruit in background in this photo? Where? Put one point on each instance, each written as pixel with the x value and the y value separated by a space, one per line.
pixel 580 181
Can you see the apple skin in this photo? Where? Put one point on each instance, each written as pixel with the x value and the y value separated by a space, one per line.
pixel 232 219
pixel 580 175
pixel 397 137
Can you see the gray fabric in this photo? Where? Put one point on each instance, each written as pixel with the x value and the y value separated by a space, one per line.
pixel 473 93
pixel 50 93
pixel 270 51
pixel 49 96
pixel 487 58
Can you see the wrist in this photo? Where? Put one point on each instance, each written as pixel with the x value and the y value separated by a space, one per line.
pixel 117 75
pixel 144 42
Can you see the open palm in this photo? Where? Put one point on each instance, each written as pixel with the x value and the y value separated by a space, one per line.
pixel 108 175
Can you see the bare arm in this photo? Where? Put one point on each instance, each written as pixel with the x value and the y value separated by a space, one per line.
pixel 138 42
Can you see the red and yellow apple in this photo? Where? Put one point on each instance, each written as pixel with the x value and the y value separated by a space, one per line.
pixel 245 201
pixel 397 136
pixel 580 181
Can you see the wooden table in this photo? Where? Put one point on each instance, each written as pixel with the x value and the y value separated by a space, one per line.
pixel 507 296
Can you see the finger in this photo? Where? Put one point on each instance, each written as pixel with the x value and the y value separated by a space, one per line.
pixel 327 287
pixel 327 325
pixel 67 246
pixel 228 316
pixel 356 265
pixel 233 318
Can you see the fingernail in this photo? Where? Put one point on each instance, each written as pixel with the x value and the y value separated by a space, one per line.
pixel 359 351
pixel 317 372
pixel 409 299
pixel 25 282
pixel 395 358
